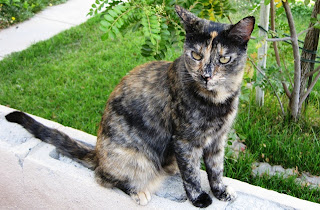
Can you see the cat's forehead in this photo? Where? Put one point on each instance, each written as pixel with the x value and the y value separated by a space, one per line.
pixel 215 27
pixel 209 31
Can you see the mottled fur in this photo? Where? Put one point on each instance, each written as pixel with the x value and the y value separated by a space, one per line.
pixel 164 117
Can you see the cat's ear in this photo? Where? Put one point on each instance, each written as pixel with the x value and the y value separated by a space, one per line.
pixel 243 29
pixel 190 21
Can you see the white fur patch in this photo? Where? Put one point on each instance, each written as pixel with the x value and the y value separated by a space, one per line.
pixel 142 198
pixel 232 193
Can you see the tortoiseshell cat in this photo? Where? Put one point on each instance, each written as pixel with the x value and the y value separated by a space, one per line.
pixel 165 116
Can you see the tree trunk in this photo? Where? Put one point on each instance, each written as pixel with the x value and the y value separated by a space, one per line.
pixel 295 97
pixel 311 45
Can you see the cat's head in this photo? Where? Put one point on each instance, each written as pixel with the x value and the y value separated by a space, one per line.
pixel 215 53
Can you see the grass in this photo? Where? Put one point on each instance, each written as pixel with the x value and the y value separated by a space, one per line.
pixel 76 63
pixel 288 186
pixel 279 141
pixel 69 77
pixel 271 139
pixel 241 169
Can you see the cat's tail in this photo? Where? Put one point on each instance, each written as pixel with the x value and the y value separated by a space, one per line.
pixel 79 151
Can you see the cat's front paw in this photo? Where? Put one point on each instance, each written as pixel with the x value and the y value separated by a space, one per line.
pixel 141 198
pixel 202 201
pixel 226 193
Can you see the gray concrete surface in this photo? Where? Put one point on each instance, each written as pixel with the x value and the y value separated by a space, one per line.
pixel 43 25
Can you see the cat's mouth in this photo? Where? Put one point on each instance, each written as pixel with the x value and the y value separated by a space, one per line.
pixel 209 85
pixel 207 82
pixel 205 79
pixel 212 83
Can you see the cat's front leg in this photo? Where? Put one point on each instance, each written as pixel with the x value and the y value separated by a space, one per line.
pixel 213 159
pixel 188 159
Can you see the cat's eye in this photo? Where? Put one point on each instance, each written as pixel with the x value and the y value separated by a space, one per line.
pixel 224 59
pixel 196 56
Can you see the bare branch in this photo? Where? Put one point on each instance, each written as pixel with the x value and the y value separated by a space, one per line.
pixel 275 47
pixel 286 90
pixel 309 74
pixel 273 39
pixel 278 39
pixel 305 31
pixel 229 18
pixel 265 76
pixel 276 51
pixel 285 38
pixel 310 88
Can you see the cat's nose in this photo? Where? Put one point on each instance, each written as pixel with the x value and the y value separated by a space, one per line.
pixel 206 77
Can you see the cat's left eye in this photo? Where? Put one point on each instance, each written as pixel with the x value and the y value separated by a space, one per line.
pixel 196 56
pixel 225 59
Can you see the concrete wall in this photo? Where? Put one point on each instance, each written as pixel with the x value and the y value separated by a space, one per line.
pixel 34 176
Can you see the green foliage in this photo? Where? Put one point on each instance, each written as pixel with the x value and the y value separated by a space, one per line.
pixel 301 9
pixel 306 2
pixel 156 20
pixel 272 139
pixel 14 11
pixel 316 21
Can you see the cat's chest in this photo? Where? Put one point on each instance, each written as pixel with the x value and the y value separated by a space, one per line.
pixel 205 112
pixel 201 121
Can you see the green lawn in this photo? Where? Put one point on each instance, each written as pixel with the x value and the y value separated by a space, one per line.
pixel 68 79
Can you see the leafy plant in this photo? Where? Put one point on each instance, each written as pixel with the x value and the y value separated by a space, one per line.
pixel 155 19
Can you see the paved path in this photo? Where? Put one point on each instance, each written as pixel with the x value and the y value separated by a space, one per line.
pixel 43 25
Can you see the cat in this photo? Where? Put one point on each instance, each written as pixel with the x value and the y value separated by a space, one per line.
pixel 163 117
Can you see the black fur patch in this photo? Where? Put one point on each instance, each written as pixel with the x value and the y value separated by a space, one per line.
pixel 202 201
pixel 82 153
pixel 18 117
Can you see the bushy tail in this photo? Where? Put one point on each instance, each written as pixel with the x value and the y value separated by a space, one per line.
pixel 79 151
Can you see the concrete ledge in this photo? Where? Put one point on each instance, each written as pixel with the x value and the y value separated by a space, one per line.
pixel 34 176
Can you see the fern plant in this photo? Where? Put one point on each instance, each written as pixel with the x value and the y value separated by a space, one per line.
pixel 156 19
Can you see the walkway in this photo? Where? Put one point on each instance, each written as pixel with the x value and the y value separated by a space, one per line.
pixel 43 25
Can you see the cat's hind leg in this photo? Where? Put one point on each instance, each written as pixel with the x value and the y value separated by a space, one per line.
pixel 130 171
pixel 107 180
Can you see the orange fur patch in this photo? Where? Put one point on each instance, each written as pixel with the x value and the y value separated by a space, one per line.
pixel 213 34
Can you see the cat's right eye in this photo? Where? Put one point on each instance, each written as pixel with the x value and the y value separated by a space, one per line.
pixel 225 59
pixel 196 56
